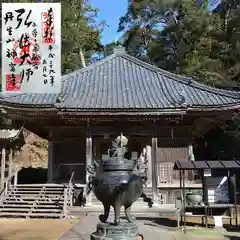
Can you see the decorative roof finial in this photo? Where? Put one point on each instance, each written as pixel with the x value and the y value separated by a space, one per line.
pixel 119 49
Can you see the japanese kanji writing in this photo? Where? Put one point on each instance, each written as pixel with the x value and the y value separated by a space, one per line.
pixel 48 27
pixel 44 72
pixel 12 67
pixel 51 72
pixel 31 46
pixel 28 72
pixel 9 29
pixel 34 32
pixel 9 16
pixel 13 79
pixel 11 54
pixel 24 45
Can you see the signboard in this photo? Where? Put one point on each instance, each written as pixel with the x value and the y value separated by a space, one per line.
pixel 217 190
pixel 31 47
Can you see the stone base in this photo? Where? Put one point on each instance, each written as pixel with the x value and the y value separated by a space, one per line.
pixel 108 231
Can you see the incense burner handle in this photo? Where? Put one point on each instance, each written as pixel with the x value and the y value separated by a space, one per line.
pixel 92 168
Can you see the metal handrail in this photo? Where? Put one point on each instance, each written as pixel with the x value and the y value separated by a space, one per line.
pixel 70 189
pixel 68 195
pixel 4 191
pixel 71 178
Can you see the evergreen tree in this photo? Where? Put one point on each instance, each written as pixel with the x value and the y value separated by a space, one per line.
pixel 185 37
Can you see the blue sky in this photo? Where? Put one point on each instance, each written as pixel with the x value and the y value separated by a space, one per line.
pixel 110 11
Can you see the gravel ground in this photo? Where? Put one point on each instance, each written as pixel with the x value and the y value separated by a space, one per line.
pixel 12 229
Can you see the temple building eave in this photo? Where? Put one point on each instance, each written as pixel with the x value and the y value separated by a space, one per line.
pixel 25 110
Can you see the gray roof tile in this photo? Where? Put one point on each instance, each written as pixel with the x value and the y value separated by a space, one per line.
pixel 121 81
pixel 9 133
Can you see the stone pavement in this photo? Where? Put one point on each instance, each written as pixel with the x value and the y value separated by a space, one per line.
pixel 83 229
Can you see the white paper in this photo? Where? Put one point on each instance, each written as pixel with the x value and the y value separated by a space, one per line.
pixel 29 65
pixel 211 196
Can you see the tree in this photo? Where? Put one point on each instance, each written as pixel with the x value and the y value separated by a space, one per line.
pixel 189 45
pixel 80 31
pixel 229 11
pixel 140 25
pixel 183 37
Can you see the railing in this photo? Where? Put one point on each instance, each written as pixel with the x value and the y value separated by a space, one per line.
pixel 7 182
pixel 68 195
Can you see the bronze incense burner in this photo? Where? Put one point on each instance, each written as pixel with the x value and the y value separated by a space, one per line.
pixel 118 185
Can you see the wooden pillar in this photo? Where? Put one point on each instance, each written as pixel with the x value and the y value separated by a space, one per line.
pixel 97 145
pixel 50 162
pixel 94 149
pixel 235 198
pixel 181 184
pixel 88 161
pixel 155 193
pixel 10 163
pixel 149 165
pixel 184 200
pixel 191 157
pixel 3 163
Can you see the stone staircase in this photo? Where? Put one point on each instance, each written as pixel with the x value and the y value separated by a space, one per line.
pixel 33 201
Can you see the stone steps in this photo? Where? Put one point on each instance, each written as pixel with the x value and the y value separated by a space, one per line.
pixel 42 206
pixel 30 215
pixel 29 202
pixel 30 210
pixel 34 196
pixel 33 201
pixel 35 192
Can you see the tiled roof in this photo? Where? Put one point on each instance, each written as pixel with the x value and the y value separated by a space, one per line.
pixel 121 81
pixel 208 164
pixel 8 134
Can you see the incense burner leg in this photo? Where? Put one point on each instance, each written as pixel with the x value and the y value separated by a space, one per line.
pixel 117 214
pixel 131 218
pixel 104 217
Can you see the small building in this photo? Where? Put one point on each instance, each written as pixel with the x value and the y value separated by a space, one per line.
pixel 161 114
pixel 218 197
